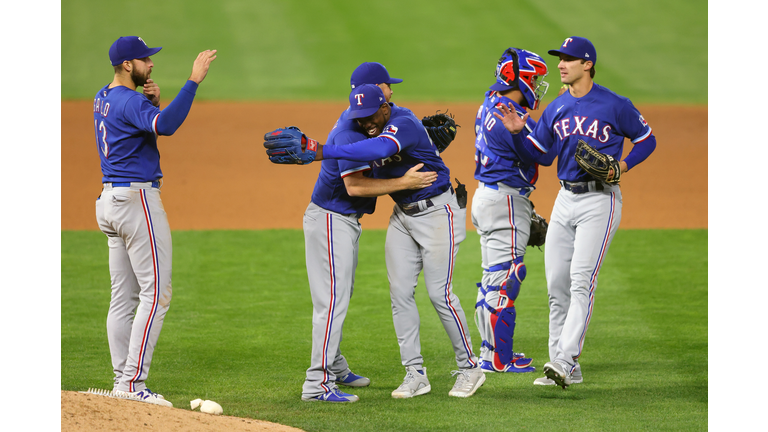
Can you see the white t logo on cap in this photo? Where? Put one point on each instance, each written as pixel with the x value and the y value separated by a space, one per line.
pixel 142 41
pixel 565 44
pixel 359 97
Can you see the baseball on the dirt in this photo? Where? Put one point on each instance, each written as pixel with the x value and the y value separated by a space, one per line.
pixel 211 407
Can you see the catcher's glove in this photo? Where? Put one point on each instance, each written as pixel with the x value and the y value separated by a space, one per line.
pixel 289 146
pixel 539 227
pixel 597 164
pixel 441 129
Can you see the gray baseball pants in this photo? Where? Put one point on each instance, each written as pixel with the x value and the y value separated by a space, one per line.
pixel 427 241
pixel 331 247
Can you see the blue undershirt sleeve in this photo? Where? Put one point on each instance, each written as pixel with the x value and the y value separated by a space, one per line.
pixel 174 114
pixel 640 151
pixel 362 151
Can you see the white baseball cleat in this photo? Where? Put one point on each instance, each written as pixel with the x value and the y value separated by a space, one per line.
pixel 467 382
pixel 544 381
pixel 558 373
pixel 415 383
pixel 146 395
pixel 576 378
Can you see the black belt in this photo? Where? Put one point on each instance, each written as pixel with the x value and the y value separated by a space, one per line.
pixel 582 187
pixel 413 208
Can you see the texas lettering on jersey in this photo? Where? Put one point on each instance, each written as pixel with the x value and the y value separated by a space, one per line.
pixel 582 125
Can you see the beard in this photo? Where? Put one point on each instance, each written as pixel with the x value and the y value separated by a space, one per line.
pixel 139 79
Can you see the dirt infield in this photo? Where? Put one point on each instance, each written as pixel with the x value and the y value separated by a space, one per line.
pixel 218 177
pixel 89 413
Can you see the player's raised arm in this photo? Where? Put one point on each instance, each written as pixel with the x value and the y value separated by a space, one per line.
pixel 171 118
pixel 201 65
pixel 367 106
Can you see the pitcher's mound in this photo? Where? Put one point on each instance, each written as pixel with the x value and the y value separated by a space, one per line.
pixel 87 412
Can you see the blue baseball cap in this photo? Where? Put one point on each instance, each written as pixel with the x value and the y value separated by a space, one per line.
pixel 129 48
pixel 365 101
pixel 372 73
pixel 578 47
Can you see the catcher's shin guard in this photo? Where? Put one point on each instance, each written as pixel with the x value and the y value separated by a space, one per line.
pixel 482 320
pixel 503 321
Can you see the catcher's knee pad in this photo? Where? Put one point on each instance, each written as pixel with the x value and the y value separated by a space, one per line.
pixel 511 286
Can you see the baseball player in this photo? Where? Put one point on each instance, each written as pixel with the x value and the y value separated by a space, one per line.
pixel 129 210
pixel 342 195
pixel 501 209
pixel 424 232
pixel 587 210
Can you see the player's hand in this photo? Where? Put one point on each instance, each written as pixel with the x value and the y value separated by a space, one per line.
pixel 152 92
pixel 201 65
pixel 624 169
pixel 510 119
pixel 419 180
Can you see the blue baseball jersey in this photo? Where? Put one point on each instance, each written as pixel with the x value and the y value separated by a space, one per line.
pixel 601 118
pixel 501 157
pixel 403 144
pixel 125 122
pixel 330 191
pixel 414 147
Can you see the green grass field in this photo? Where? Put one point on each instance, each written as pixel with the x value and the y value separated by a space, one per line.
pixel 238 332
pixel 652 52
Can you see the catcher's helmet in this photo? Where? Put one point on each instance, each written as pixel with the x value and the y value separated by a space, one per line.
pixel 523 70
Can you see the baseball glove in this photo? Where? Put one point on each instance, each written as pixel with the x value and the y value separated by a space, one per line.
pixel 597 164
pixel 441 129
pixel 289 146
pixel 539 227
